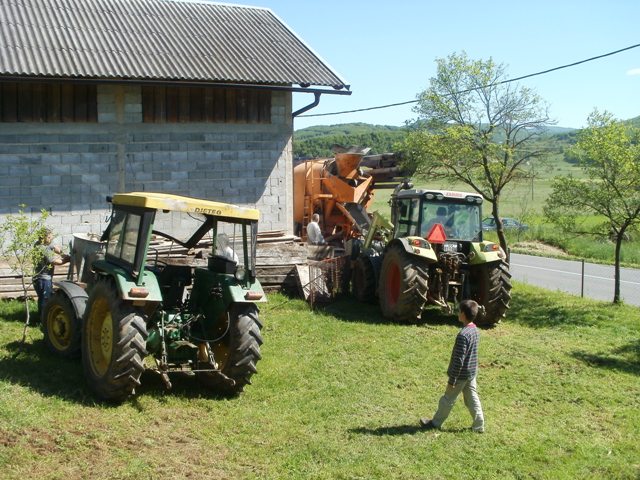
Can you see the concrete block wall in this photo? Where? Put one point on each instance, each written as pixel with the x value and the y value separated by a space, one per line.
pixel 70 168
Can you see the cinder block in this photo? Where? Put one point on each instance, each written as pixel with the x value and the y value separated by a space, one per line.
pixel 106 117
pixel 133 117
pixel 18 171
pixel 99 167
pixel 180 175
pixel 51 180
pixel 178 156
pixel 90 179
pixel 196 156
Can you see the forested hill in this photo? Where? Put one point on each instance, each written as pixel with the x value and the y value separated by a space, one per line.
pixel 315 142
pixel 634 122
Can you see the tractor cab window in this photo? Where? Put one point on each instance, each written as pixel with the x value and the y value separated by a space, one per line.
pixel 467 222
pixel 461 221
pixel 408 216
pixel 125 232
pixel 224 248
pixel 435 213
pixel 120 244
pixel 236 242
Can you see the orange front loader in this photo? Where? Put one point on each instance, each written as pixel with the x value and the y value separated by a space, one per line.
pixel 336 189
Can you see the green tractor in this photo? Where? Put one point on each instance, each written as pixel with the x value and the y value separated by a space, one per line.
pixel 437 257
pixel 148 299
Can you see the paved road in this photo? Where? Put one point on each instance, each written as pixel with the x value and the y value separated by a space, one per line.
pixel 566 276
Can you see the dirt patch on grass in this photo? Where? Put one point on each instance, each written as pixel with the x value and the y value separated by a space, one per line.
pixel 538 248
pixel 8 439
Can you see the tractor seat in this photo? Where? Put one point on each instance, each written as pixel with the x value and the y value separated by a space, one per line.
pixel 173 281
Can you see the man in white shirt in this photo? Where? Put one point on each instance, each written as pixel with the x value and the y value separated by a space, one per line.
pixel 314 234
pixel 223 248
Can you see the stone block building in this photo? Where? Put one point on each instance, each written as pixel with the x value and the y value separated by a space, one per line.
pixel 183 97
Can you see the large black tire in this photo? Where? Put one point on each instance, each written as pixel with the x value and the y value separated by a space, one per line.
pixel 492 290
pixel 363 280
pixel 61 326
pixel 403 285
pixel 113 344
pixel 237 352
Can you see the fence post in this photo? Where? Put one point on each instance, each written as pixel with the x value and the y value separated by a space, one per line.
pixel 582 281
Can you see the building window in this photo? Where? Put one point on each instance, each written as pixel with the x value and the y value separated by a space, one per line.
pixel 162 104
pixel 48 102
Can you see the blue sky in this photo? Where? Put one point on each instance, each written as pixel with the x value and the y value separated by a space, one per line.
pixel 386 51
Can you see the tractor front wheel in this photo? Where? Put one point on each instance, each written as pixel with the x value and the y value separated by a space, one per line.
pixel 403 285
pixel 61 326
pixel 236 350
pixel 363 280
pixel 492 285
pixel 113 344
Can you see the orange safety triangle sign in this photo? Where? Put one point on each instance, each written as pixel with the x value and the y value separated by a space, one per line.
pixel 436 234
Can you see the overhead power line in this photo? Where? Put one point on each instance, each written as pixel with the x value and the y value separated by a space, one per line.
pixel 543 72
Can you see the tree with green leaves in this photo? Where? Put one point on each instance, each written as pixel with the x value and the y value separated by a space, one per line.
pixel 609 154
pixel 20 235
pixel 476 127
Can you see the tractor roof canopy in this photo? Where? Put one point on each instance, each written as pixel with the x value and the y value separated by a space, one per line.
pixel 429 194
pixel 176 203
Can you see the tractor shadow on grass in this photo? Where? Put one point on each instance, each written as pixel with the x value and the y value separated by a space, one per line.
pixel 348 309
pixel 19 314
pixel 31 365
pixel 182 386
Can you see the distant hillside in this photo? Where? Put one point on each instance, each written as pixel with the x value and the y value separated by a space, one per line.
pixel 559 130
pixel 634 122
pixel 314 142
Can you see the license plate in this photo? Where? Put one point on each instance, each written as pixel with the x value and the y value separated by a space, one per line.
pixel 450 247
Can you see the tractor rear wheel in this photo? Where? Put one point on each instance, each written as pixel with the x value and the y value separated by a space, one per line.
pixel 236 350
pixel 403 286
pixel 61 326
pixel 492 284
pixel 113 344
pixel 363 280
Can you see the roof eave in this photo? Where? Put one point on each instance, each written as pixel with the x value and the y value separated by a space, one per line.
pixel 304 88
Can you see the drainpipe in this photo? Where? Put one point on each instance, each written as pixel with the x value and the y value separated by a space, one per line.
pixel 313 104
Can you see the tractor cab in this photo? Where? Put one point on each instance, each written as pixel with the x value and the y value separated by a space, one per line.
pixel 166 236
pixel 457 214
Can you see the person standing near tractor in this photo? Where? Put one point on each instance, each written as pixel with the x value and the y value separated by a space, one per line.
pixel 314 233
pixel 43 271
pixel 463 369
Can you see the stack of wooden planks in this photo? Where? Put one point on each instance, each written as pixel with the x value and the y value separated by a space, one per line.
pixel 11 284
pixel 276 259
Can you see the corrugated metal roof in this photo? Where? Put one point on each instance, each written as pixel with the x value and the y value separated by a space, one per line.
pixel 167 40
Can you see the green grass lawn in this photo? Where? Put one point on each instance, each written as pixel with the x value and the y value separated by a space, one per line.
pixel 338 396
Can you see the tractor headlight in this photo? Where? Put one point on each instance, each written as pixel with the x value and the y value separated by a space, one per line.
pixel 491 247
pixel 494 247
pixel 240 274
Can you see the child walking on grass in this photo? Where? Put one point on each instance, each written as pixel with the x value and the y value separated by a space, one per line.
pixel 463 369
